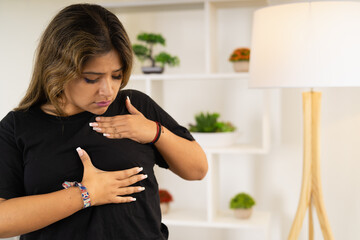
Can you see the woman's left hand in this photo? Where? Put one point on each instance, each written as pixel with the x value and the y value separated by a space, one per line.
pixel 133 126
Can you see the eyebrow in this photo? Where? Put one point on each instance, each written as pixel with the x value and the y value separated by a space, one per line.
pixel 97 73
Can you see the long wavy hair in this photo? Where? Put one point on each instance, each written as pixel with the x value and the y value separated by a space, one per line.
pixel 77 33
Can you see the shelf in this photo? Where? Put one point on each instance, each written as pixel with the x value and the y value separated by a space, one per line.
pixel 185 217
pixel 167 77
pixel 165 3
pixel 196 218
pixel 237 149
pixel 203 69
pixel 226 219
pixel 154 3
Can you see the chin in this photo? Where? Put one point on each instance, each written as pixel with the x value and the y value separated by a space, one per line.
pixel 99 111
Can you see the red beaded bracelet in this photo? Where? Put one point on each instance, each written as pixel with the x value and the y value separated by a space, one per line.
pixel 158 133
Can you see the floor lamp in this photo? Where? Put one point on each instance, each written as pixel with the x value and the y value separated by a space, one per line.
pixel 307 45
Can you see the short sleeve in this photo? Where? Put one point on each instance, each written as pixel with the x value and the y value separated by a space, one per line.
pixel 11 163
pixel 154 112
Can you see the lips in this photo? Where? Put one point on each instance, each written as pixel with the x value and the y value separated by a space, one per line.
pixel 103 103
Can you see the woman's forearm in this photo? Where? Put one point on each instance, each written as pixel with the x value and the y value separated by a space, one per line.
pixel 27 214
pixel 185 158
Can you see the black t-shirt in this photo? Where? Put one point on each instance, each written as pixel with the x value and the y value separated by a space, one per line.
pixel 37 154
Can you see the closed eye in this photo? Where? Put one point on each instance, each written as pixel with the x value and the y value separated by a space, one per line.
pixel 118 77
pixel 91 81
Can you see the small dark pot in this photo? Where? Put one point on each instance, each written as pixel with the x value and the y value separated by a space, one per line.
pixel 148 70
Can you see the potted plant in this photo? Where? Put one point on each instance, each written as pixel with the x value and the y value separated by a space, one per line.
pixel 242 204
pixel 210 132
pixel 240 58
pixel 145 52
pixel 165 199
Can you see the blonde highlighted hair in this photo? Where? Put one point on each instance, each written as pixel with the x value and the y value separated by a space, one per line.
pixel 77 33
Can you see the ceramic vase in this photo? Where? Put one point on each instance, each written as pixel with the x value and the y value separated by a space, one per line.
pixel 241 66
pixel 243 213
pixel 165 206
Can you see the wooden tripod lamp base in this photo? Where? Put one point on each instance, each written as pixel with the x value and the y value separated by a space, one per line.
pixel 311 191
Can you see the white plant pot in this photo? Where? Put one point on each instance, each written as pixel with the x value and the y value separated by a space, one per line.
pixel 217 139
pixel 241 66
pixel 164 207
pixel 243 213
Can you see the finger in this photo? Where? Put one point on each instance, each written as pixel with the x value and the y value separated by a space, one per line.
pixel 111 129
pixel 85 159
pixel 105 119
pixel 130 107
pixel 124 199
pixel 129 190
pixel 117 121
pixel 112 123
pixel 131 180
pixel 113 135
pixel 123 174
pixel 117 135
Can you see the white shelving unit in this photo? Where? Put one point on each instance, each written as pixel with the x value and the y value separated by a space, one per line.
pixel 263 148
pixel 210 216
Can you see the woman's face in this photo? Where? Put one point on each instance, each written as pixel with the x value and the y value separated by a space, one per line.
pixel 97 87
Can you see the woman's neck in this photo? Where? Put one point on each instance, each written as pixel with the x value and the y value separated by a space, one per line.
pixel 49 109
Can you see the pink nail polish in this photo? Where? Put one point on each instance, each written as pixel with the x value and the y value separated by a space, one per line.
pixel 93 124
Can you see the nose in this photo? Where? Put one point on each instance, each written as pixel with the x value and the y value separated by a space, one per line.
pixel 106 87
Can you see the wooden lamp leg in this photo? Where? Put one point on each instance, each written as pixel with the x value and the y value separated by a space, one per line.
pixel 316 192
pixel 311 191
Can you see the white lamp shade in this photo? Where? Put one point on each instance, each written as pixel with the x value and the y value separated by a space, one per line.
pixel 312 44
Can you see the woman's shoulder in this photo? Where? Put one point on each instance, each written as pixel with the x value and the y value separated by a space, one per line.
pixel 16 116
pixel 13 115
pixel 8 122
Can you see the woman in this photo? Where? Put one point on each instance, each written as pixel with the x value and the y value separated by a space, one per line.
pixel 75 101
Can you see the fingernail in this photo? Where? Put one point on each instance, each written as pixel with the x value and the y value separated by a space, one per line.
pixel 93 124
pixel 133 199
pixel 97 118
pixel 127 97
pixel 96 129
pixel 141 188
pixel 80 151
pixel 140 169
pixel 106 135
pixel 144 176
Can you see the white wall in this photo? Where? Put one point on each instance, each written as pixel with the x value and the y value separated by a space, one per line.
pixel 275 178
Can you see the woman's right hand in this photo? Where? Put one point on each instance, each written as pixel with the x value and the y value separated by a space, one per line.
pixel 109 187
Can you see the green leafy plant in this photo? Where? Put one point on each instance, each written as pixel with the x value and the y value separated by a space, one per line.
pixel 242 200
pixel 145 52
pixel 208 122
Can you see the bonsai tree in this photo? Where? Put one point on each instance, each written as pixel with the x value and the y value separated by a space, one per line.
pixel 209 123
pixel 242 200
pixel 145 51
pixel 165 196
pixel 240 54
pixel 165 199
